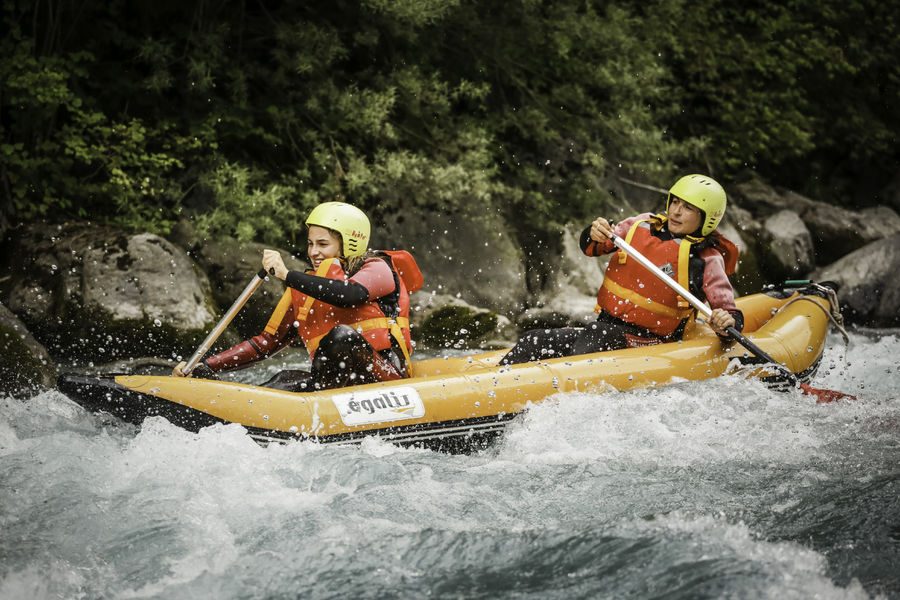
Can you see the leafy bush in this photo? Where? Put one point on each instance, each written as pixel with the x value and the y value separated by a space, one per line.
pixel 270 213
pixel 123 111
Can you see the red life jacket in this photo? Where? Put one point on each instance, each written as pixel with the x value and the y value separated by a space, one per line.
pixel 633 294
pixel 403 263
pixel 316 318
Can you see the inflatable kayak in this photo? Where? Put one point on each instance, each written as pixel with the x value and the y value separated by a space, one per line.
pixel 459 403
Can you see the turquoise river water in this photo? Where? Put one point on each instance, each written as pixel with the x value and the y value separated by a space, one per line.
pixel 694 490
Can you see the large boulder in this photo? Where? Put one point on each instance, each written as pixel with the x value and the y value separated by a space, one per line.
pixel 835 231
pixel 25 365
pixel 869 287
pixel 99 293
pixel 470 254
pixel 745 231
pixel 787 245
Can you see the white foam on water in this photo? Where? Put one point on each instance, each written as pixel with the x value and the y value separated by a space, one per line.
pixel 784 569
pixel 868 368
pixel 682 424
pixel 93 508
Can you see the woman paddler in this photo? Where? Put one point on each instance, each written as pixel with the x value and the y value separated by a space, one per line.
pixel 635 308
pixel 351 310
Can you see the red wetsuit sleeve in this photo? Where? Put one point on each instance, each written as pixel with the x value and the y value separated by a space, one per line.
pixel 376 276
pixel 278 334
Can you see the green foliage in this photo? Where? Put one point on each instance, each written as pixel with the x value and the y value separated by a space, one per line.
pixel 794 89
pixel 124 112
pixel 243 211
pixel 64 157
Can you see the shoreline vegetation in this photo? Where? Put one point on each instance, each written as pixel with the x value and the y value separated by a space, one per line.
pixel 241 118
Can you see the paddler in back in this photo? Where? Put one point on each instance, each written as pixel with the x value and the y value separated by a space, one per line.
pixel 634 307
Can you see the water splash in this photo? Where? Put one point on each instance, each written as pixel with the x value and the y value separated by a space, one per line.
pixel 721 488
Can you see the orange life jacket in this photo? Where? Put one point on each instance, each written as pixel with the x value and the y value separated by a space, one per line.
pixel 316 318
pixel 633 294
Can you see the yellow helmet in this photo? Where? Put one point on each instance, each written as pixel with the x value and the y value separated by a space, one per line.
pixel 704 193
pixel 349 221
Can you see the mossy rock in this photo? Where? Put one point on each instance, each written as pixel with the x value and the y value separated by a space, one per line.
pixel 95 293
pixel 455 326
pixel 25 365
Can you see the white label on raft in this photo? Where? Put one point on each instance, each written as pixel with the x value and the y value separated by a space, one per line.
pixel 390 404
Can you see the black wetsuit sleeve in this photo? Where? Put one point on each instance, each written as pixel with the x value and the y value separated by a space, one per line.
pixel 585 240
pixel 345 294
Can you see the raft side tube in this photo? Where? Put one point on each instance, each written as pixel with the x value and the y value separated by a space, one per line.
pixel 103 394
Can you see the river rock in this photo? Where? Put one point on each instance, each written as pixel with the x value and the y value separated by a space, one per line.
pixel 869 288
pixel 742 228
pixel 444 321
pixel 25 365
pixel 787 245
pixel 835 231
pixel 474 255
pixel 99 293
pixel 569 294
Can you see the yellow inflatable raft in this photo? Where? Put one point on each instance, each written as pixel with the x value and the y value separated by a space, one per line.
pixel 458 403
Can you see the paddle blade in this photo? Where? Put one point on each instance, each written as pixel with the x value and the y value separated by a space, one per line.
pixel 824 396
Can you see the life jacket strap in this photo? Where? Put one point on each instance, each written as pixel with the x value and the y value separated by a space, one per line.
pixel 643 302
pixel 397 333
pixel 622 255
pixel 684 260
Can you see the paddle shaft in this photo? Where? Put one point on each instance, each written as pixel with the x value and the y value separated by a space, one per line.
pixel 225 321
pixel 697 304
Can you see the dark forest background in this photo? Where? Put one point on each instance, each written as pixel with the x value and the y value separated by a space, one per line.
pixel 241 115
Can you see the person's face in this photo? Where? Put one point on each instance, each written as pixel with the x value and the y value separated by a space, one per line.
pixel 321 244
pixel 684 218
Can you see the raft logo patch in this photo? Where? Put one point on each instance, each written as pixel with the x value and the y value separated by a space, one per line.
pixel 391 404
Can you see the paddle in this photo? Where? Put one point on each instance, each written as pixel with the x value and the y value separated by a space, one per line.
pixel 225 321
pixel 822 396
